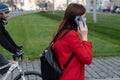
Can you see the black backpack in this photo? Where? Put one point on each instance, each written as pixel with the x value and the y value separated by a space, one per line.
pixel 50 68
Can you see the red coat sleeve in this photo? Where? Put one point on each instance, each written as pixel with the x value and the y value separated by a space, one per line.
pixel 81 49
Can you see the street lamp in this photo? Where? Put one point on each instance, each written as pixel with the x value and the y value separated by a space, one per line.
pixel 94 12
pixel 12 5
pixel 67 2
pixel 53 6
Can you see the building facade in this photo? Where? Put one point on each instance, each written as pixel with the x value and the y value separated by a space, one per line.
pixel 59 4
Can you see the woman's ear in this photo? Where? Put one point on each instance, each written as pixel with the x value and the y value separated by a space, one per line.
pixel 84 15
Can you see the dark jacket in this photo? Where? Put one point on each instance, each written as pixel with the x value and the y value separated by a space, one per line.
pixel 5 39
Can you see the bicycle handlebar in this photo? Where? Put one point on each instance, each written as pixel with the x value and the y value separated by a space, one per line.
pixel 17 57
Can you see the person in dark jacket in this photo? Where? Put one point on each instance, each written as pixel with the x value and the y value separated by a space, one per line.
pixel 6 40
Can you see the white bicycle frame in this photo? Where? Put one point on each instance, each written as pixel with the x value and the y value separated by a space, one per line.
pixel 13 65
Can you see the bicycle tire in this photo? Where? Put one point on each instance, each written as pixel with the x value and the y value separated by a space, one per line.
pixel 29 75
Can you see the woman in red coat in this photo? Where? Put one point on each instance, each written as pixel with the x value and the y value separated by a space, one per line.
pixel 72 39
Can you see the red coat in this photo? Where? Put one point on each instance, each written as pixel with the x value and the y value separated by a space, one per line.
pixel 69 44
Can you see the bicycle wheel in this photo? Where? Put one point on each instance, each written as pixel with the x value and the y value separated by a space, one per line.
pixel 30 75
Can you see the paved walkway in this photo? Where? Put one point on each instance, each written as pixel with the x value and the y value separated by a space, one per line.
pixel 17 13
pixel 100 69
pixel 104 69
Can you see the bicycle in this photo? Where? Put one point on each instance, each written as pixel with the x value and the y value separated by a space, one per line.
pixel 28 75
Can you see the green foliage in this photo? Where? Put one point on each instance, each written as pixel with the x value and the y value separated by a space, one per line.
pixel 34 32
pixel 105 35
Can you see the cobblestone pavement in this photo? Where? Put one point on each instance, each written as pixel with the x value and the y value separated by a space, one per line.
pixel 100 69
pixel 104 69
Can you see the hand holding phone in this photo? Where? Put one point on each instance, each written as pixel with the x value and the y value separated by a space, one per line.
pixel 81 28
pixel 78 19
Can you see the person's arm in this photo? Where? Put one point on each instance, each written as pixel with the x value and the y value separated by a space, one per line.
pixel 5 43
pixel 81 49
pixel 11 41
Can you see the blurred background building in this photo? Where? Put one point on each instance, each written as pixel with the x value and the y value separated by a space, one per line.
pixel 102 5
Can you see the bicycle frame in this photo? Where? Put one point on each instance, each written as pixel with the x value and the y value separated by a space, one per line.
pixel 13 65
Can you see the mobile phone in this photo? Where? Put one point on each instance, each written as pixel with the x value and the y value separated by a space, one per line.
pixel 79 18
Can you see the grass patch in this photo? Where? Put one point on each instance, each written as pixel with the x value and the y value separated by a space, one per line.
pixel 34 32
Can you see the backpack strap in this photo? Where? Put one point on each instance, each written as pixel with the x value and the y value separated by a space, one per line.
pixel 71 57
pixel 69 60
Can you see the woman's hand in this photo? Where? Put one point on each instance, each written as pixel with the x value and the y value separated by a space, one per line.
pixel 83 31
